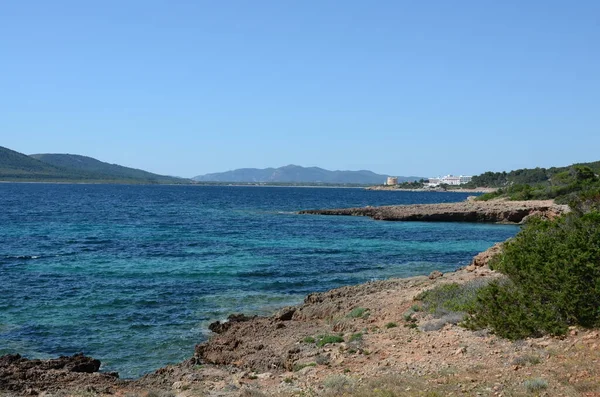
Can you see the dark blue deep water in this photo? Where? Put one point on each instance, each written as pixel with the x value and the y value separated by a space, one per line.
pixel 132 275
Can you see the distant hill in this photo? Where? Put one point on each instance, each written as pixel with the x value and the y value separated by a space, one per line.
pixel 92 166
pixel 15 165
pixel 298 174
pixel 18 167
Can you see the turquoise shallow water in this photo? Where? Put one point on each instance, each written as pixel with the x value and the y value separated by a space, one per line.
pixel 133 275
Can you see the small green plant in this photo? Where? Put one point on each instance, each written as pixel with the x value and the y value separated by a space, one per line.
pixel 530 359
pixel 358 312
pixel 338 384
pixel 346 370
pixel 408 316
pixel 535 385
pixel 391 325
pixel 356 337
pixel 298 366
pixel 451 298
pixel 308 339
pixel 288 380
pixel 323 340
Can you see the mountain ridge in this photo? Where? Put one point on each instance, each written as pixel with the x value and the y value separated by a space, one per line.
pixel 292 173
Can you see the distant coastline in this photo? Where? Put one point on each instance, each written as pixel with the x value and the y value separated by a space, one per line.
pixel 457 190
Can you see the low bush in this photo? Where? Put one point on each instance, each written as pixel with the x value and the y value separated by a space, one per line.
pixel 451 298
pixel 298 366
pixel 527 359
pixel 323 340
pixel 552 281
pixel 309 339
pixel 452 318
pixel 358 312
pixel 338 384
pixel 535 385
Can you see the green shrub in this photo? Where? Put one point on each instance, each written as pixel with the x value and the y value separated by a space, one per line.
pixel 358 312
pixel 536 384
pixel 355 337
pixel 451 298
pixel 526 359
pixel 323 340
pixel 408 316
pixel 391 325
pixel 338 384
pixel 297 367
pixel 309 339
pixel 552 279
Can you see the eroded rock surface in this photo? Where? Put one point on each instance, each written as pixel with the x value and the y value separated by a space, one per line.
pixel 19 375
pixel 493 211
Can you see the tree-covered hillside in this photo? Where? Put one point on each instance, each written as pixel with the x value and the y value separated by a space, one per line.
pixel 559 183
pixel 90 165
pixel 18 167
pixel 527 175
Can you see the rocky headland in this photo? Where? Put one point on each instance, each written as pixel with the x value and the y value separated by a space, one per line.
pixel 493 211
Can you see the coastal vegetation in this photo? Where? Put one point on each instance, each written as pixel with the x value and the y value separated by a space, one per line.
pixel 562 184
pixel 550 279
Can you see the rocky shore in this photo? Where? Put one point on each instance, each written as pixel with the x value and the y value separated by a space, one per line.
pixel 371 339
pixel 493 211
pixel 355 341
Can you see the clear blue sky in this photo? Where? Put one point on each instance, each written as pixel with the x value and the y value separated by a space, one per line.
pixel 397 87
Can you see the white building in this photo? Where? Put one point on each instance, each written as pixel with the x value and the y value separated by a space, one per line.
pixel 465 179
pixel 449 180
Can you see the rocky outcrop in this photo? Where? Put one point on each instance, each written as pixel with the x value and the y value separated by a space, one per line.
pixel 496 211
pixel 219 327
pixel 483 258
pixel 20 375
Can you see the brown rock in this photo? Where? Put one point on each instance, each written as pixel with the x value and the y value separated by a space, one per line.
pixel 218 327
pixel 23 376
pixel 435 274
pixel 285 314
pixel 493 211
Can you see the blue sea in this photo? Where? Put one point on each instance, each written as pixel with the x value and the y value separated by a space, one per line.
pixel 133 275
